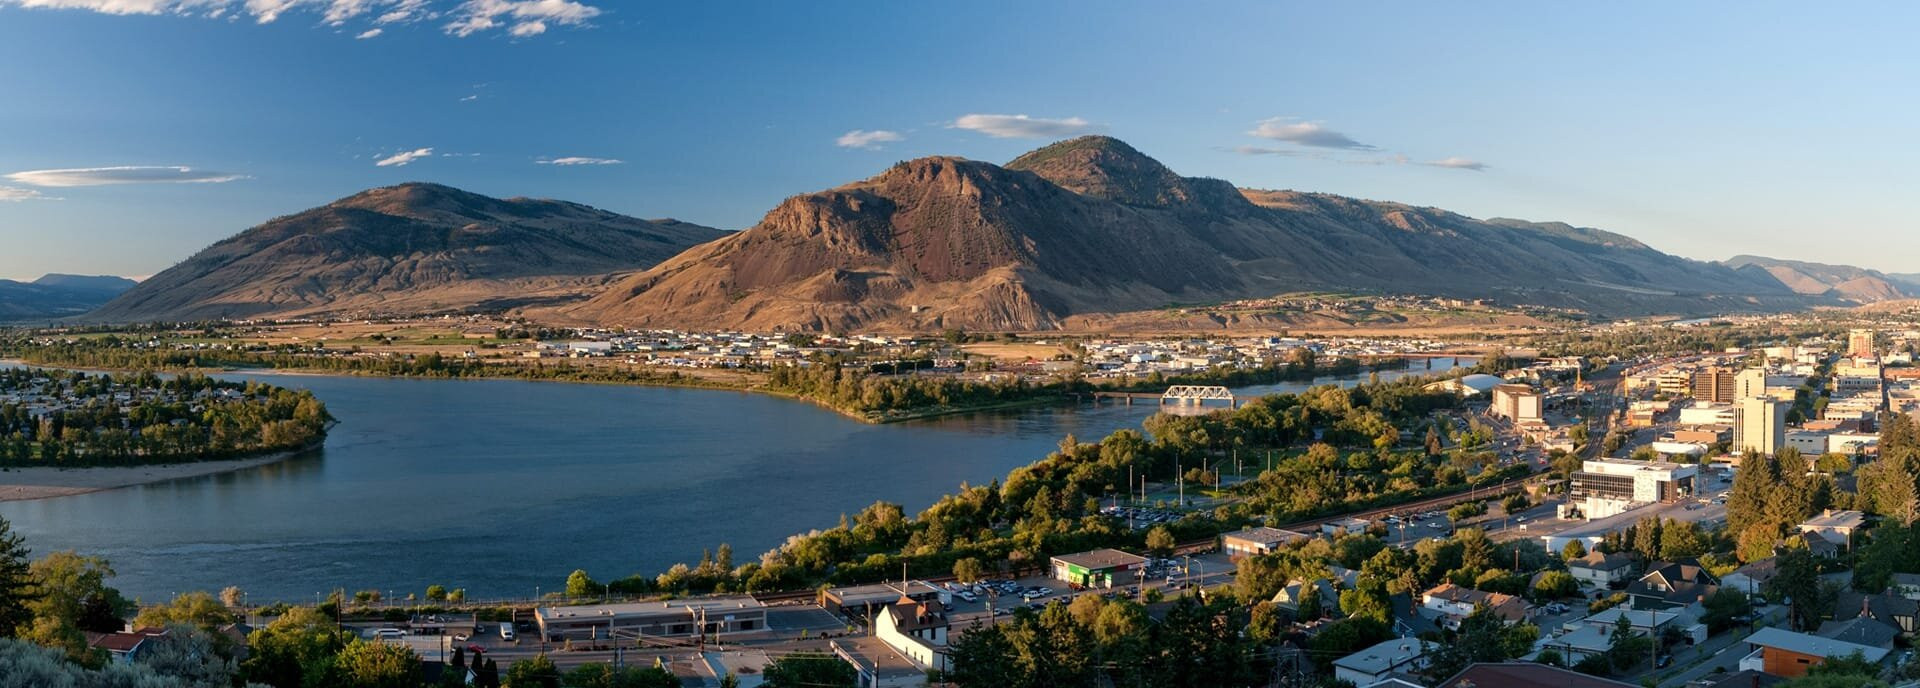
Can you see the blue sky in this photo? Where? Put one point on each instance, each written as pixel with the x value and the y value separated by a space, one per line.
pixel 1703 129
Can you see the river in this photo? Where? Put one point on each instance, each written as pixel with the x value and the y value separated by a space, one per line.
pixel 503 487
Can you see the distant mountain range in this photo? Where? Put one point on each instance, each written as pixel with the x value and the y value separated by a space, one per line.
pixel 1091 225
pixel 57 296
pixel 1079 228
pixel 407 249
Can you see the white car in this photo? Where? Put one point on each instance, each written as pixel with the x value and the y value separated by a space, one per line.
pixel 506 630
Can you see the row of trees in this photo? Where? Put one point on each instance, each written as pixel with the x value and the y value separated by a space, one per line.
pixel 145 418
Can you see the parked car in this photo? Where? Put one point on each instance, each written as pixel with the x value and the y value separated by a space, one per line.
pixel 506 631
pixel 388 633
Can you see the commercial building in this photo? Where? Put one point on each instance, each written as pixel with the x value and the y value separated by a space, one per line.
pixel 1860 343
pixel 1100 568
pixel 1750 383
pixel 916 630
pixel 1517 403
pixel 1707 414
pixel 1258 540
pixel 1605 487
pixel 711 616
pixel 864 601
pixel 1760 426
pixel 1810 443
pixel 1713 385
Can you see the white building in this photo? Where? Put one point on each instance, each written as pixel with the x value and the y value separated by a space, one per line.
pixel 1397 656
pixel 1760 425
pixel 1606 487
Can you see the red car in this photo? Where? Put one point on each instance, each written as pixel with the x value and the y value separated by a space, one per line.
pixel 476 649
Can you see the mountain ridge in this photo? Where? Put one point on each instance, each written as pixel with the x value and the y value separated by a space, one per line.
pixel 1091 225
pixel 409 248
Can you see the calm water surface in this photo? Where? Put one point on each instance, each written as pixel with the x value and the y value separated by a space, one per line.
pixel 499 486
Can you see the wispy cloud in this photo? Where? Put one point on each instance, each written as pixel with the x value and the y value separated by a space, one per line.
pixel 402 158
pixel 370 33
pixel 1022 126
pixel 1457 163
pixel 520 18
pixel 126 174
pixel 868 139
pixel 527 17
pixel 571 160
pixel 1312 134
pixel 13 194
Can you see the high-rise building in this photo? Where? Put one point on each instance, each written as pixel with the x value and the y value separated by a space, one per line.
pixel 1760 425
pixel 1713 385
pixel 1750 383
pixel 1860 343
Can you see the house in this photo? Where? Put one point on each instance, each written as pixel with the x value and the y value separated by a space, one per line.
pixel 1836 526
pixel 1600 570
pixel 1289 597
pixel 1454 604
pixel 123 647
pixel 1887 608
pixel 1789 654
pixel 1671 585
pixel 1260 540
pixel 1752 578
pixel 1860 630
pixel 1905 585
pixel 916 630
pixel 1411 620
pixel 1374 664
pixel 1524 675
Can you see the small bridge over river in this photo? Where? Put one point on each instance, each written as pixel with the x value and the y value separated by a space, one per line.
pixel 1179 395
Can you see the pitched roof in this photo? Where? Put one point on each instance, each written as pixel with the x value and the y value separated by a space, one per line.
pixel 910 616
pixel 1600 561
pixel 1524 675
pixel 1859 630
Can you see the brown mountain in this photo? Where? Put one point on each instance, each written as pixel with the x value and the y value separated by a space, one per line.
pixel 1845 282
pixel 1091 225
pixel 412 248
pixel 57 296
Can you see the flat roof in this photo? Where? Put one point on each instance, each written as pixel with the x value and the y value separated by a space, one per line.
pixel 1383 656
pixel 710 605
pixel 1265 535
pixel 1812 644
pixel 1101 559
pixel 1846 518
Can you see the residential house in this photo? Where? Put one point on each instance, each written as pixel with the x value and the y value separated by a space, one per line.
pixel 1524 675
pixel 1836 526
pixel 1672 585
pixel 1289 597
pixel 123 647
pixel 1789 654
pixel 1454 604
pixel 1600 570
pixel 1887 608
pixel 916 630
pixel 1374 664
pixel 1859 630
pixel 1752 578
pixel 1412 620
pixel 1905 585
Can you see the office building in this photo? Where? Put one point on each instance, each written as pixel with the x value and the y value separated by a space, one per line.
pixel 1607 487
pixel 1860 343
pixel 1713 385
pixel 1750 383
pixel 1517 403
pixel 1760 425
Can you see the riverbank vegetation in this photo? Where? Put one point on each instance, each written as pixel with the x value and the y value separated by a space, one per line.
pixel 51 417
pixel 1330 450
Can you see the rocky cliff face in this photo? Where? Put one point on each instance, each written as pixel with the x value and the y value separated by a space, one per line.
pixel 1091 225
pixel 412 248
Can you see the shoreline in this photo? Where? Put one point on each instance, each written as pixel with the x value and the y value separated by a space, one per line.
pixel 45 482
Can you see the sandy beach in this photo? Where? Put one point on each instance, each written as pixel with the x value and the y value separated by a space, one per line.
pixel 41 483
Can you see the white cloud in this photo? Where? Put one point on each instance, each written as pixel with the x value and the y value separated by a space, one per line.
pixel 1457 163
pixel 868 139
pixel 1305 134
pixel 1022 126
pixel 474 16
pixel 402 158
pixel 369 33
pixel 13 194
pixel 126 174
pixel 579 160
pixel 521 18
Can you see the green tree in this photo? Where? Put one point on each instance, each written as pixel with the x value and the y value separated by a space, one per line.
pixel 73 598
pixel 968 570
pixel 1575 549
pixel 1722 607
pixel 438 593
pixel 1554 585
pixel 16 581
pixel 197 609
pixel 295 651
pixel 810 670
pixel 1160 541
pixel 579 584
pixel 538 672
pixel 1796 581
pixel 377 665
pixel 192 655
